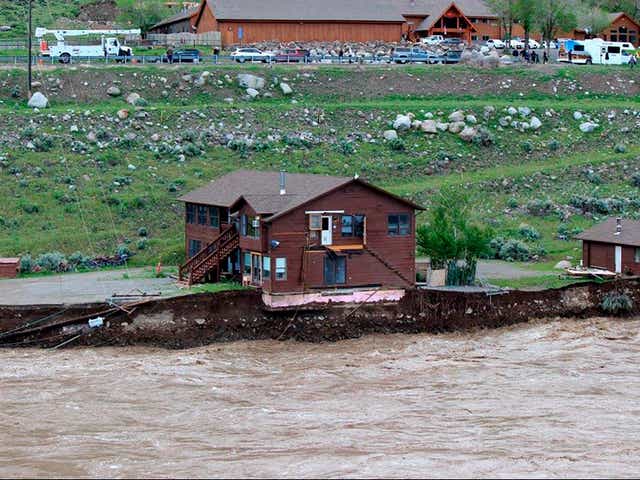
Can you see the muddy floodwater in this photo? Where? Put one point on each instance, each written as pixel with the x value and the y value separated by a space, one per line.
pixel 552 399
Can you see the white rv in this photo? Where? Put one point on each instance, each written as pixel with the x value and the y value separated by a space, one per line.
pixel 596 51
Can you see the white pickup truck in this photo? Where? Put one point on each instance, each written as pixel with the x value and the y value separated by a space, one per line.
pixel 108 46
pixel 432 40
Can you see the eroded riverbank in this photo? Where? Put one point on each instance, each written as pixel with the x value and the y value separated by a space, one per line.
pixel 540 399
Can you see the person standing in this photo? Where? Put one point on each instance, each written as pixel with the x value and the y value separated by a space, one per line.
pixel 170 55
pixel 340 55
pixel 632 61
pixel 545 57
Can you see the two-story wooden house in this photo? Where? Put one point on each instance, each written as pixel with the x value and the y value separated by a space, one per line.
pixel 300 238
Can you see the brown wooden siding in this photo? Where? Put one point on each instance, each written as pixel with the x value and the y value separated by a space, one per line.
pixel 292 231
pixel 602 255
pixel 195 231
pixel 300 31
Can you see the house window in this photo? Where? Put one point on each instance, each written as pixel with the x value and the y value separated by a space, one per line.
pixel 636 257
pixel 202 215
pixel 398 224
pixel 485 20
pixel 266 267
pixel 194 247
pixel 474 38
pixel 281 268
pixel 191 213
pixel 243 225
pixel 347 226
pixel 485 37
pixel 315 221
pixel 335 270
pixel 246 269
pixel 254 227
pixel 214 218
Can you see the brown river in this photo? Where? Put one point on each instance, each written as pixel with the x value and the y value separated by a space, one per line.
pixel 547 400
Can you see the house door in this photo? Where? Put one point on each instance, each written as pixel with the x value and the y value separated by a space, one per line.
pixel 618 259
pixel 326 236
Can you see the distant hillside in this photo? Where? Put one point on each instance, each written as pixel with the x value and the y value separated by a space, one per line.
pixel 60 13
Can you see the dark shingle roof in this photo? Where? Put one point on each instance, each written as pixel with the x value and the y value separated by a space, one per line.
pixel 606 232
pixel 184 15
pixel 309 10
pixel 261 190
pixel 471 8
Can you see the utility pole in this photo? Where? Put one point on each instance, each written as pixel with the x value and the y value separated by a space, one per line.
pixel 29 46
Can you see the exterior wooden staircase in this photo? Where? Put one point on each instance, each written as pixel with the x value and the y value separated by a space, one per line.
pixel 389 266
pixel 210 258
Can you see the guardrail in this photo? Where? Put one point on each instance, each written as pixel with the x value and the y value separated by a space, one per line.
pixel 204 59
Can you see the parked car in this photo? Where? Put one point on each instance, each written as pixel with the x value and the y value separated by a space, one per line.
pixel 533 44
pixel 414 55
pixel 516 42
pixel 453 56
pixel 552 44
pixel 292 55
pixel 185 55
pixel 432 40
pixel 496 43
pixel 242 55
pixel 452 42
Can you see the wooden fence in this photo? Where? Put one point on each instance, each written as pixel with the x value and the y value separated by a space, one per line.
pixel 212 39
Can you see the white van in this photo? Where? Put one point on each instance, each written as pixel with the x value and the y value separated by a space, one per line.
pixel 597 51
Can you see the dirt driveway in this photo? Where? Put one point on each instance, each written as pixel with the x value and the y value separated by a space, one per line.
pixel 82 287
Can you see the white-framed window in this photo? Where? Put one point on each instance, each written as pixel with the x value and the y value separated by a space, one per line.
pixel 315 221
pixel 281 268
pixel 266 268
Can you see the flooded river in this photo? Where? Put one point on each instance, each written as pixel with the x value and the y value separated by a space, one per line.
pixel 558 399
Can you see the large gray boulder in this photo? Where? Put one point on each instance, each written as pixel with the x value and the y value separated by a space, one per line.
pixel 535 123
pixel 286 89
pixel 429 126
pixel 38 100
pixel 402 122
pixel 456 127
pixel 252 92
pixel 132 98
pixel 457 116
pixel 113 91
pixel 390 135
pixel 588 127
pixel 468 133
pixel 246 80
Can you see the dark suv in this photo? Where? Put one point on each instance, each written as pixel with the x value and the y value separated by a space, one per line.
pixel 185 55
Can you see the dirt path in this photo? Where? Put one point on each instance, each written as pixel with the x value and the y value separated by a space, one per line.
pixel 81 287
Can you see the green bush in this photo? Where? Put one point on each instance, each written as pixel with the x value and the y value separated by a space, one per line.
pixel 142 232
pixel 616 303
pixel 527 146
pixel 43 143
pixel 484 137
pixel 78 260
pixel 141 244
pixel 528 232
pixel 26 264
pixel 554 145
pixel 123 251
pixel 397 145
pixel 515 251
pixel 346 147
pixel 635 180
pixel 52 262
pixel 620 148
pixel 540 208
pixel 30 208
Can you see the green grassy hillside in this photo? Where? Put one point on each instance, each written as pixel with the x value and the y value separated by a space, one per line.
pixel 76 177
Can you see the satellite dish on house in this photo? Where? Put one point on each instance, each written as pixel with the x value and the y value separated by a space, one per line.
pixel 274 243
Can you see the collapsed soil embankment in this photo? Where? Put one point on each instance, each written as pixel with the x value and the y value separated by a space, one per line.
pixel 202 319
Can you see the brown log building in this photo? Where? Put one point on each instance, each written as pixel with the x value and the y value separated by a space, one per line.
pixel 294 233
pixel 612 245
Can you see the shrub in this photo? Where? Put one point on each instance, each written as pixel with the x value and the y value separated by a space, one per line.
pixel 553 145
pixel 190 135
pixel 239 146
pixel 78 260
pixel 616 303
pixel 16 91
pixel 527 146
pixel 540 207
pixel 142 232
pixel 191 150
pixel 43 143
pixel 635 180
pixel 515 250
pixel 484 138
pixel 26 264
pixel 528 232
pixel 123 251
pixel 620 148
pixel 52 262
pixel 512 203
pixel 397 145
pixel 594 178
pixel 346 147
pixel 29 133
pixel 496 245
pixel 142 244
pixel 30 208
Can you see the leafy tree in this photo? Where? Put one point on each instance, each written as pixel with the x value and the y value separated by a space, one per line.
pixel 451 238
pixel 525 13
pixel 554 15
pixel 505 10
pixel 142 14
pixel 593 19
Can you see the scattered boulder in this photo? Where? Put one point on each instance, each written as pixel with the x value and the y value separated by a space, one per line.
pixel 471 119
pixel 524 111
pixel 563 265
pixel 588 127
pixel 468 133
pixel 132 98
pixel 402 122
pixel 38 100
pixel 246 80
pixel 390 135
pixel 512 111
pixel 457 116
pixel 252 92
pixel 201 81
pixel 443 127
pixel 456 127
pixel 535 123
pixel 123 114
pixel 577 115
pixel 187 77
pixel 505 121
pixel 114 91
pixel 429 126
pixel 286 89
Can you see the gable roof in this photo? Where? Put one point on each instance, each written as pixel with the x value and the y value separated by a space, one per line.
pixel 304 10
pixel 470 8
pixel 430 21
pixel 179 17
pixel 261 190
pixel 606 232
